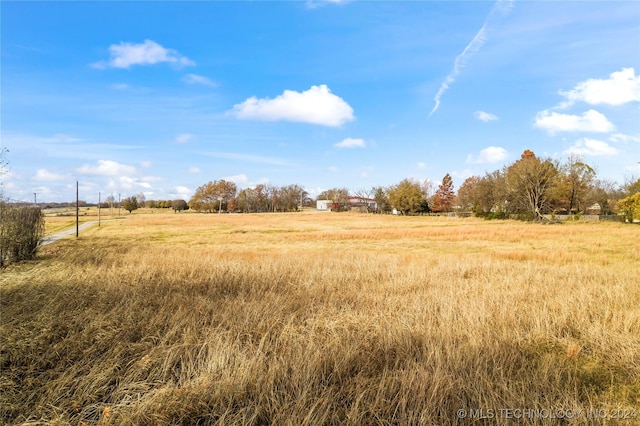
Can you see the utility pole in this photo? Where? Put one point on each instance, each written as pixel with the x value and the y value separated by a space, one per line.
pixel 35 200
pixel 77 212
pixel 118 206
pixel 99 209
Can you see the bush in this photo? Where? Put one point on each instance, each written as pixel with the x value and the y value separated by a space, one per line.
pixel 21 229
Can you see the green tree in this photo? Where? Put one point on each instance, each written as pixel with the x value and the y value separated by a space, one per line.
pixel 629 207
pixel 381 196
pixel 408 197
pixel 179 205
pixel 130 203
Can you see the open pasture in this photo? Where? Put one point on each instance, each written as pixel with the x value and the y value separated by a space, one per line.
pixel 314 318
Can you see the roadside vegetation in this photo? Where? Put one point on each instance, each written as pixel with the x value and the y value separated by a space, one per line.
pixel 307 318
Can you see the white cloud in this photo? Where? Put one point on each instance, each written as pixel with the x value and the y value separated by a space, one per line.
pixel 620 88
pixel 43 175
pixel 127 183
pixel 237 179
pixel 590 121
pixel 485 116
pixel 184 137
pixel 124 55
pixel 593 147
pixel 106 168
pixel 181 192
pixel 501 7
pixel 152 179
pixel 316 106
pixel 199 79
pixel 619 137
pixel 194 170
pixel 461 175
pixel 351 143
pixel 491 154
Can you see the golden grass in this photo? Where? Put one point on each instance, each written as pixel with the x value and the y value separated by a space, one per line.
pixel 322 319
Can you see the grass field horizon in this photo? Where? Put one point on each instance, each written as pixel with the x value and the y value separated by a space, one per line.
pixel 322 318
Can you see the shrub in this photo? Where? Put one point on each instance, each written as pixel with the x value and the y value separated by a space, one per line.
pixel 21 229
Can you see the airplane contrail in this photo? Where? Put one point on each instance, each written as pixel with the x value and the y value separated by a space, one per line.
pixel 501 6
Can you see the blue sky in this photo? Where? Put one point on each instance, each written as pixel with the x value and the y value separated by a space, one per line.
pixel 162 97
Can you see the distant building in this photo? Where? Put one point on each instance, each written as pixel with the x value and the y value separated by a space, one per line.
pixel 355 204
pixel 324 205
pixel 594 209
pixel 362 204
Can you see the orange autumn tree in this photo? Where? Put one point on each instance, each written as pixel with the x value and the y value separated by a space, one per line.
pixel 445 196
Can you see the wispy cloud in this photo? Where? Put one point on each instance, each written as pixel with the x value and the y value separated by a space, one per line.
pixel 351 143
pixel 120 86
pixel 43 175
pixel 184 137
pixel 485 116
pixel 199 79
pixel 316 106
pixel 501 7
pixel 620 137
pixel 312 4
pixel 247 158
pixel 124 55
pixel 592 147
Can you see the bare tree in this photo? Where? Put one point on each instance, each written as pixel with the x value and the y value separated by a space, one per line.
pixel 142 199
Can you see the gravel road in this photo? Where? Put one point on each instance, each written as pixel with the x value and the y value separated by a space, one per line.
pixel 55 237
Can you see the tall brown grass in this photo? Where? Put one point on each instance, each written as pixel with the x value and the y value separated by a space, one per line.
pixel 322 319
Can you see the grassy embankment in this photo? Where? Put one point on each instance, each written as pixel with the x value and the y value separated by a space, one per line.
pixel 321 319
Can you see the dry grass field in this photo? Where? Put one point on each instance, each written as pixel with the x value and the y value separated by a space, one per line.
pixel 324 319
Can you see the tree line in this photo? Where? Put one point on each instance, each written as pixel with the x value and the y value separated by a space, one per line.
pixel 529 188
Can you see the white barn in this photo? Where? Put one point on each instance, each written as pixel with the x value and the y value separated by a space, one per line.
pixel 324 205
